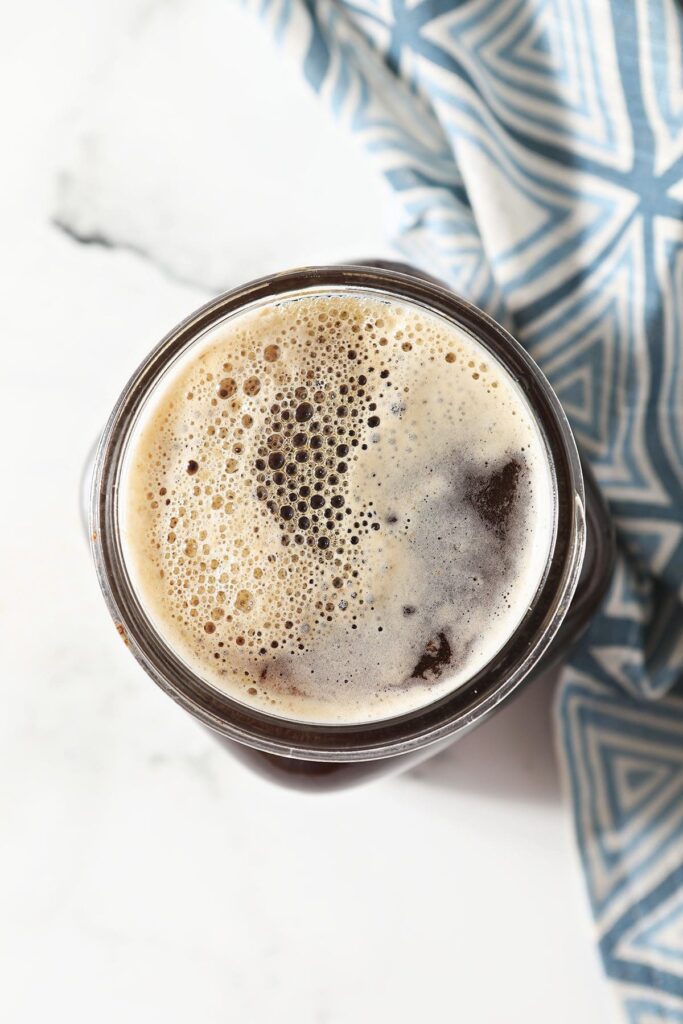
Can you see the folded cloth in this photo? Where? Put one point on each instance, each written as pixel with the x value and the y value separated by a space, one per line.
pixel 535 154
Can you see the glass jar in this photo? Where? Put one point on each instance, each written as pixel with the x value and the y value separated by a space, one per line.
pixel 316 756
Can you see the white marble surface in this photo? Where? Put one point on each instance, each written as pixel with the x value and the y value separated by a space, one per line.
pixel 144 876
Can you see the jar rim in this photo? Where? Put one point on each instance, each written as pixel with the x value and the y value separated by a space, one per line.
pixel 471 701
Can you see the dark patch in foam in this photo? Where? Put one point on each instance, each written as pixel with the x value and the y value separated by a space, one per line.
pixel 434 659
pixel 493 495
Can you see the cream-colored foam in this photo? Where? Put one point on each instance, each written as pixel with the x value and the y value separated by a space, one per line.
pixel 422 578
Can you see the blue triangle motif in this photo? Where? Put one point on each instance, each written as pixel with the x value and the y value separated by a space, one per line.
pixel 585 401
pixel 532 48
pixel 518 54
pixel 621 815
pixel 629 792
pixel 645 944
pixel 632 587
pixel 615 318
pixel 651 937
pixel 644 544
pixel 525 81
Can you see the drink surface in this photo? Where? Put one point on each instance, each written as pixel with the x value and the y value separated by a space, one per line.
pixel 337 508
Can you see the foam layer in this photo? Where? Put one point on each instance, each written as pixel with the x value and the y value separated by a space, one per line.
pixel 337 509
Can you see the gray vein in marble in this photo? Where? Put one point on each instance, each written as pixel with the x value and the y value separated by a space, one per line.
pixel 100 240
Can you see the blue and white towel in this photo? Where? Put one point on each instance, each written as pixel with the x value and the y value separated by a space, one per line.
pixel 535 152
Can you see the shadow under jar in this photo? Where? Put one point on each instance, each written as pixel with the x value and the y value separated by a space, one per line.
pixel 328 756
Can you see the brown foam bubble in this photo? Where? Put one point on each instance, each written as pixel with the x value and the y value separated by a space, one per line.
pixel 337 509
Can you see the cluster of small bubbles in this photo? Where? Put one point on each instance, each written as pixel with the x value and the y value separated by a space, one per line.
pixel 264 515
